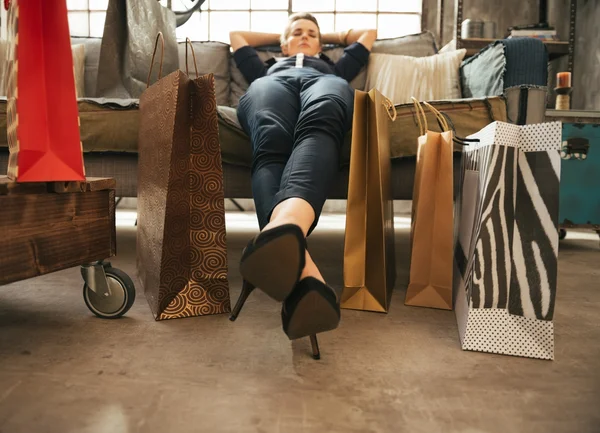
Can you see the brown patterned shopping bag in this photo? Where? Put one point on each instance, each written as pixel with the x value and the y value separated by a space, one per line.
pixel 181 250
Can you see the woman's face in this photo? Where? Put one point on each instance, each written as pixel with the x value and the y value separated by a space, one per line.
pixel 303 38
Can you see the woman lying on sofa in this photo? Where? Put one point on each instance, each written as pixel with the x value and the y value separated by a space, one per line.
pixel 296 112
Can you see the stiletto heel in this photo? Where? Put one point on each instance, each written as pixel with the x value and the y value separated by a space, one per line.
pixel 315 347
pixel 247 288
pixel 311 308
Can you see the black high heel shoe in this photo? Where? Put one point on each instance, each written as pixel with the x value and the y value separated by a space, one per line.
pixel 311 308
pixel 273 262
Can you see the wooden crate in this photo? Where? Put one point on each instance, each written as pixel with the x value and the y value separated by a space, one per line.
pixel 46 227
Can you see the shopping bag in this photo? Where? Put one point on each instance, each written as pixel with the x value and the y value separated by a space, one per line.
pixel 130 28
pixel 42 116
pixel 181 249
pixel 369 251
pixel 430 282
pixel 505 259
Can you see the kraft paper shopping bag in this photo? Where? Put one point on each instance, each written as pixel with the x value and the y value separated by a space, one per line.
pixel 369 251
pixel 430 283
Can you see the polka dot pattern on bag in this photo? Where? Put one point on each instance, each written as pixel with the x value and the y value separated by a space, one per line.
pixel 494 330
pixel 498 133
pixel 541 137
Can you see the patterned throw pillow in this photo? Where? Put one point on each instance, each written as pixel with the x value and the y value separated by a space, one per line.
pixel 426 78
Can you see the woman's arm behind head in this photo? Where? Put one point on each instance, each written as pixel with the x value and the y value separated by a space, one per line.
pixel 365 36
pixel 239 39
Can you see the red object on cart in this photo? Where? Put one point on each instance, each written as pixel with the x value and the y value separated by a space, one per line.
pixel 43 119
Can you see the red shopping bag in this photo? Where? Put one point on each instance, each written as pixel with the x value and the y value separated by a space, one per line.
pixel 43 121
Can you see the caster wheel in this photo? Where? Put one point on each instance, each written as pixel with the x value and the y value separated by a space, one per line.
pixel 562 233
pixel 121 298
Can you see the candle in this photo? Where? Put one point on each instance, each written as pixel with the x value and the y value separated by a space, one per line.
pixel 563 79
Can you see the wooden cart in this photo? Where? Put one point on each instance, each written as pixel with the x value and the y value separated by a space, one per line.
pixel 46 227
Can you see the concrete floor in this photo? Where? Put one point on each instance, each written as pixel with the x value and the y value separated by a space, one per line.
pixel 63 370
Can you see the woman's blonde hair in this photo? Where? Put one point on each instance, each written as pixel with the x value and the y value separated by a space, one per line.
pixel 295 17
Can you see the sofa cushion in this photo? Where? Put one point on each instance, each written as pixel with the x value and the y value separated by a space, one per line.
pixel 112 126
pixel 419 45
pixel 3 48
pixel 235 144
pixel 466 116
pixel 109 124
pixel 79 68
pixel 106 124
pixel 92 58
pixel 210 57
pixel 79 58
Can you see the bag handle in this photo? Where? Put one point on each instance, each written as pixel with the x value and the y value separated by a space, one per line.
pixel 162 55
pixel 421 119
pixel 390 109
pixel 442 120
pixel 459 140
pixel 439 116
pixel 188 43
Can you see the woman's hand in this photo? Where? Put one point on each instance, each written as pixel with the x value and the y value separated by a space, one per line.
pixel 348 37
pixel 254 39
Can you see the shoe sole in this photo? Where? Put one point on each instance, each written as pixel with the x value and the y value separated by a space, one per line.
pixel 313 315
pixel 274 267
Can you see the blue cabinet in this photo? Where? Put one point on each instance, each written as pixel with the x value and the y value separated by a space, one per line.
pixel 580 168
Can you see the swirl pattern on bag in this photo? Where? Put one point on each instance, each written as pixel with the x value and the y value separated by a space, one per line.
pixel 191 236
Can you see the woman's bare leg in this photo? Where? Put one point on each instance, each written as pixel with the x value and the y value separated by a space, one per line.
pixel 297 211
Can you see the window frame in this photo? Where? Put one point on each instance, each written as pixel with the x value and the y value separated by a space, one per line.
pixel 208 9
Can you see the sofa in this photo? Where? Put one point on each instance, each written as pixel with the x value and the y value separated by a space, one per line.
pixel 498 81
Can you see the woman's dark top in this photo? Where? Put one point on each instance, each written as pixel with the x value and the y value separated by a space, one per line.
pixel 352 61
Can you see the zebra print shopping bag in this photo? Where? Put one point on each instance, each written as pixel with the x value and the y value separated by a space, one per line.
pixel 506 224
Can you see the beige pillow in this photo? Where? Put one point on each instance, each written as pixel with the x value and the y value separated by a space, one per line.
pixel 79 68
pixel 426 78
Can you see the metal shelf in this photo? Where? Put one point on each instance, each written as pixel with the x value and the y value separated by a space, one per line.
pixel 474 45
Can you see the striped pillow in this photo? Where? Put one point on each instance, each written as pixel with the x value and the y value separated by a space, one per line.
pixel 426 78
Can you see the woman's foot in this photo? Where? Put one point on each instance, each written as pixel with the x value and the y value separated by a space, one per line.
pixel 311 308
pixel 273 260
pixel 310 269
pixel 292 211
